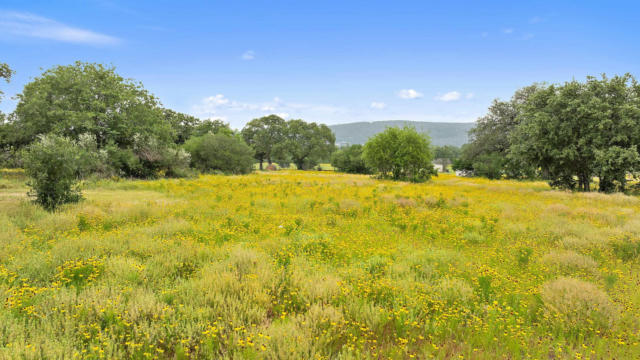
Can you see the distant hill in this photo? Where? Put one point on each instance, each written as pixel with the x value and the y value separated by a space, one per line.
pixel 440 133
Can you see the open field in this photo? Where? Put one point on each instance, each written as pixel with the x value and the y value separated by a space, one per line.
pixel 293 265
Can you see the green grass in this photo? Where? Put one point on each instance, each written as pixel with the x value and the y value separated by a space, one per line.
pixel 297 265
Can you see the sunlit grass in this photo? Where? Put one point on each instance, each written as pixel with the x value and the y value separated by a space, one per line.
pixel 319 265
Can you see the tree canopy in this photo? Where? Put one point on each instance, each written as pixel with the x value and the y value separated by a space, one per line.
pixel 308 143
pixel 266 136
pixel 575 131
pixel 400 154
pixel 88 98
pixel 303 143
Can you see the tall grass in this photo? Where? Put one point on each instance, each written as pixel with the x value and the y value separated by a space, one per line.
pixel 301 265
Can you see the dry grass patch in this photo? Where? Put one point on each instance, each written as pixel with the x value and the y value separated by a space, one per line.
pixel 577 305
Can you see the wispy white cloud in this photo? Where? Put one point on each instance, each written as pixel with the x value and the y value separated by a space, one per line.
pixel 378 105
pixel 409 94
pixel 450 96
pixel 248 55
pixel 22 24
pixel 470 95
pixel 507 31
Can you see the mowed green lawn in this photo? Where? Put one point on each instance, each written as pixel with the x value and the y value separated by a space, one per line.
pixel 306 265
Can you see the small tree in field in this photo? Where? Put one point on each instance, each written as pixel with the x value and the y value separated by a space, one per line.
pixel 53 164
pixel 400 154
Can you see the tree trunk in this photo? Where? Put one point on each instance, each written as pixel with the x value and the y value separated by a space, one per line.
pixel 260 164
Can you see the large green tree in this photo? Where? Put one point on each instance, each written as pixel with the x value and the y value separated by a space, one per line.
pixel 88 98
pixel 266 136
pixel 575 131
pixel 400 154
pixel 307 143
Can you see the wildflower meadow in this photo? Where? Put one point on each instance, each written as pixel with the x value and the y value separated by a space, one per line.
pixel 319 265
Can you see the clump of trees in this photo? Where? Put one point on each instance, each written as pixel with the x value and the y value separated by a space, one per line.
pixel 107 125
pixel 569 134
pixel 349 159
pixel 400 154
pixel 277 140
pixel 220 152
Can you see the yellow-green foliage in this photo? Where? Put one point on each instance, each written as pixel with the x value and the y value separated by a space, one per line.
pixel 306 265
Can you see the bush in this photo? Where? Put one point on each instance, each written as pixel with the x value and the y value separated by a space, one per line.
pixel 400 154
pixel 577 305
pixel 53 164
pixel 229 154
pixel 156 158
pixel 349 159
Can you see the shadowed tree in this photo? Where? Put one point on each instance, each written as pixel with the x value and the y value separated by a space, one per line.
pixel 308 143
pixel 264 135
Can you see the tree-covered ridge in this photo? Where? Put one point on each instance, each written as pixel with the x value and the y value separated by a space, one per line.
pixel 440 133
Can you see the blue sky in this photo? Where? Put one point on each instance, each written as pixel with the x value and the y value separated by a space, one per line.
pixel 325 61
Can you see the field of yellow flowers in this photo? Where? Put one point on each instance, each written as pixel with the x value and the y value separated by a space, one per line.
pixel 306 265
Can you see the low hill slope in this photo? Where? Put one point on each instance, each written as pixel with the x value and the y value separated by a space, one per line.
pixel 440 133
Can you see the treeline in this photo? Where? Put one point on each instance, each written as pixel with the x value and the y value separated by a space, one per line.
pixel 85 120
pixel 574 135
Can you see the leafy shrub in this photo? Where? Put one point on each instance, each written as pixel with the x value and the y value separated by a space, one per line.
pixel 229 154
pixel 577 305
pixel 349 159
pixel 10 158
pixel 53 164
pixel 400 154
pixel 157 158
